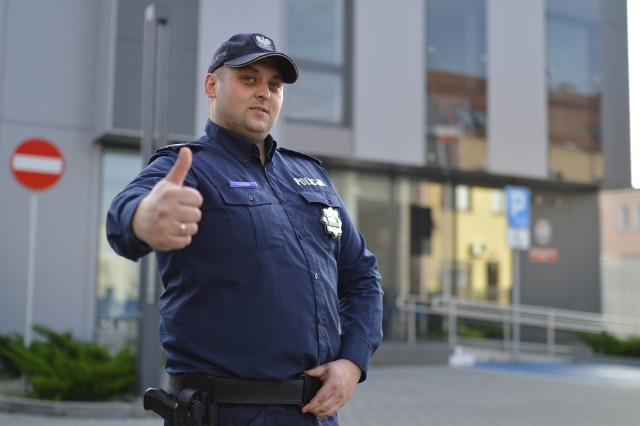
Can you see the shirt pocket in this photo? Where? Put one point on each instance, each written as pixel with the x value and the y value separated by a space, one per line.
pixel 323 208
pixel 253 222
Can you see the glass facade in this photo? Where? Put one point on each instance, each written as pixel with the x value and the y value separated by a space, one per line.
pixel 573 60
pixel 118 278
pixel 407 228
pixel 456 84
pixel 317 39
pixel 430 238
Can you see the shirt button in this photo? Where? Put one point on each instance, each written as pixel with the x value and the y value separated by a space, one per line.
pixel 315 276
pixel 250 197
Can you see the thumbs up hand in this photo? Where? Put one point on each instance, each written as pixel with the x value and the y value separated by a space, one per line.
pixel 168 216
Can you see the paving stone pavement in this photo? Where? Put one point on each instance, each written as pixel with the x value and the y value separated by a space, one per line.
pixel 445 396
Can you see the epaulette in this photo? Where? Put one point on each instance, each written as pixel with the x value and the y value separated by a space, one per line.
pixel 299 154
pixel 175 147
pixel 194 146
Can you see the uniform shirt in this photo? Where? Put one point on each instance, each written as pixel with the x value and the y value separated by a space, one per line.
pixel 264 291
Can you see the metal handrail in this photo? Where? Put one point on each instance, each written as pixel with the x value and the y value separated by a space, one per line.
pixel 549 318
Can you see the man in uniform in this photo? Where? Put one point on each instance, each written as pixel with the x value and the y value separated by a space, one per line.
pixel 268 283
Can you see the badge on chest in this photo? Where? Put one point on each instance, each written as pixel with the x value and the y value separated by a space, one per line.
pixel 332 222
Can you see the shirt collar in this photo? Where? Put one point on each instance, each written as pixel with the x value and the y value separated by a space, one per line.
pixel 238 146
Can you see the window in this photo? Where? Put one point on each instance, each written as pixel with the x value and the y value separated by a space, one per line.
pixel 118 278
pixel 317 40
pixel 623 218
pixel 463 198
pixel 456 84
pixel 498 201
pixel 573 38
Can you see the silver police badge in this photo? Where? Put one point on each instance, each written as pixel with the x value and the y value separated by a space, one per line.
pixel 332 222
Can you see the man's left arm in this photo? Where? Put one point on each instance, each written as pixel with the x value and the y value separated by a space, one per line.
pixel 360 297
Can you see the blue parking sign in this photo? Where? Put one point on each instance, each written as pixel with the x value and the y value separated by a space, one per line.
pixel 518 216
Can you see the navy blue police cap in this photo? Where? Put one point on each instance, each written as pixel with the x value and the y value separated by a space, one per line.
pixel 244 49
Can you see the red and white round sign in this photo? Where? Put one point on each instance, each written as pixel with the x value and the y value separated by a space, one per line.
pixel 37 164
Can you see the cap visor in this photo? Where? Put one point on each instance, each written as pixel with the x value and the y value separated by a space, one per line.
pixel 287 66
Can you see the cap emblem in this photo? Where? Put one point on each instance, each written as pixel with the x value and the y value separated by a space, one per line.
pixel 264 43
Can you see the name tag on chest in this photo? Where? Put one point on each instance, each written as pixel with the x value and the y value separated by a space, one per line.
pixel 235 184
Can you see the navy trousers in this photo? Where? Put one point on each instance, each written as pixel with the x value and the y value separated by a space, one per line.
pixel 269 415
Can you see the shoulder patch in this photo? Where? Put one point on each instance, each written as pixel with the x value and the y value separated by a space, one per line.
pixel 291 152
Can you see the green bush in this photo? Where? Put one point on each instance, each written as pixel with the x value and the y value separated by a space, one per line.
pixel 9 368
pixel 608 344
pixel 61 368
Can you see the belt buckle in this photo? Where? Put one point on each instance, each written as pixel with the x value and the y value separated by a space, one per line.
pixel 310 387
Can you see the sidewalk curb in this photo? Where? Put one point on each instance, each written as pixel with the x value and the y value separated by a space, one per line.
pixel 73 408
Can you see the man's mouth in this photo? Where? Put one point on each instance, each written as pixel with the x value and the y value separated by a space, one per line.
pixel 260 109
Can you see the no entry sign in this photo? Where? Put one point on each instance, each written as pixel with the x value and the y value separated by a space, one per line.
pixel 37 164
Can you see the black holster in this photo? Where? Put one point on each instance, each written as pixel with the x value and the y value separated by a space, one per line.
pixel 185 410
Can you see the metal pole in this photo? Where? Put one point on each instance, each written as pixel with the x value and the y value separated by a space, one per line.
pixel 31 273
pixel 453 324
pixel 551 333
pixel 411 326
pixel 515 344
pixel 155 71
pixel 31 268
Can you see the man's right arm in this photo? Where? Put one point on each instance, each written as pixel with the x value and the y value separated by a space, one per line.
pixel 119 219
pixel 155 212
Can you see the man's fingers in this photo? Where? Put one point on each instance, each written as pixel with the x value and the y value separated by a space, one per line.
pixel 185 213
pixel 179 171
pixel 189 196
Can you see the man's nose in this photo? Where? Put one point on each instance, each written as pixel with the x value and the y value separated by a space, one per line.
pixel 263 90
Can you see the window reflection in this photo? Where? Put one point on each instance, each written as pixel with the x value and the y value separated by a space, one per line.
pixel 482 253
pixel 456 84
pixel 573 59
pixel 315 30
pixel 316 39
pixel 408 230
pixel 118 278
pixel 317 97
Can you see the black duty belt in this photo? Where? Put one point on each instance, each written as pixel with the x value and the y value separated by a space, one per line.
pixel 222 390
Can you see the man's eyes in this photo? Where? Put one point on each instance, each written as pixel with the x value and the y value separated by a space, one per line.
pixel 275 86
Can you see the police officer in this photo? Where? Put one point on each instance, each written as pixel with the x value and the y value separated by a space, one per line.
pixel 265 275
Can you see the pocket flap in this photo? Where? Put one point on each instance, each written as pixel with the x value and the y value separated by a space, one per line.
pixel 324 198
pixel 246 197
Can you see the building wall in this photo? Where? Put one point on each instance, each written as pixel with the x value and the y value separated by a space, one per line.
pixel 620 252
pixel 572 280
pixel 617 240
pixel 615 102
pixel 71 73
pixel 47 81
pixel 517 88
pixel 389 101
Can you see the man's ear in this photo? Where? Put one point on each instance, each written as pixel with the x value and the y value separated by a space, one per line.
pixel 211 85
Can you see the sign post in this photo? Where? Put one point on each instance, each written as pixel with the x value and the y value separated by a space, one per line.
pixel 37 164
pixel 519 238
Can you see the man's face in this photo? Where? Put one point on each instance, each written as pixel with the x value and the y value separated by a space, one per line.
pixel 247 100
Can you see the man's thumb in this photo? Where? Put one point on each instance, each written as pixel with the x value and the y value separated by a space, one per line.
pixel 316 372
pixel 179 171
